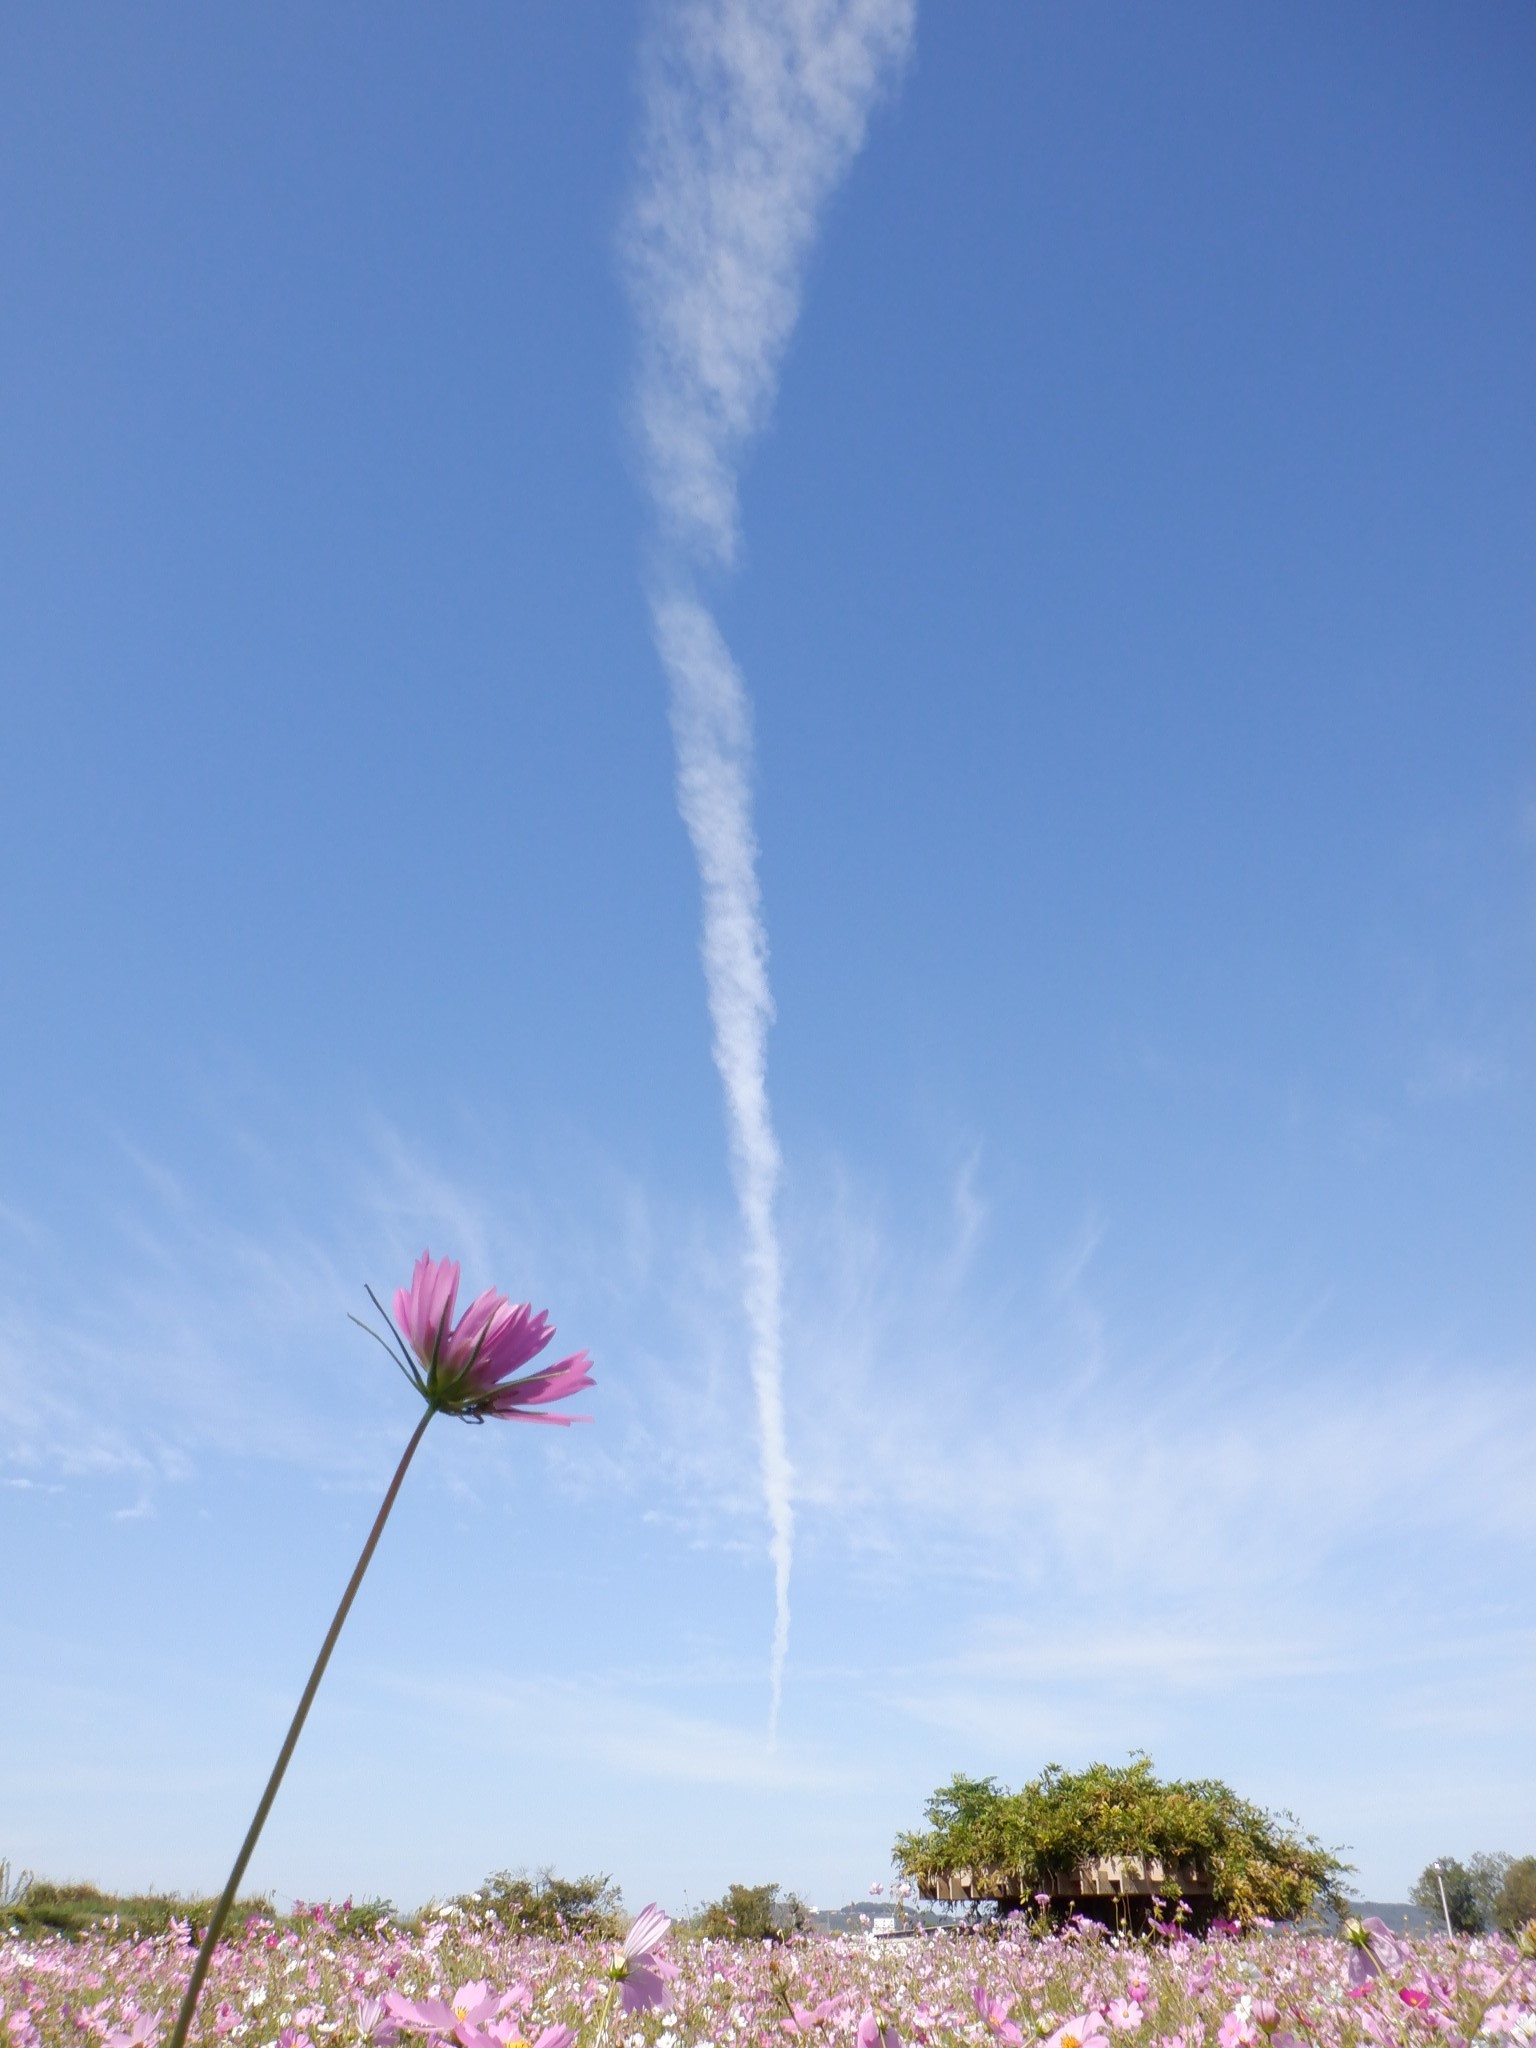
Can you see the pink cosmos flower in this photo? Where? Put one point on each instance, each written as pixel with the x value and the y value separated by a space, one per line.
pixel 872 2035
pixel 1373 1948
pixel 640 1972
pixel 504 2034
pixel 1083 2030
pixel 472 2004
pixel 465 1368
pixel 1236 2031
pixel 803 2018
pixel 1508 2019
pixel 994 2015
pixel 1124 2015
pixel 142 2034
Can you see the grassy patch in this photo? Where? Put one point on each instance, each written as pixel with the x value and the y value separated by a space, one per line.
pixel 80 1909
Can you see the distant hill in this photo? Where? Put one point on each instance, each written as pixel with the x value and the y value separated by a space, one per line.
pixel 850 1919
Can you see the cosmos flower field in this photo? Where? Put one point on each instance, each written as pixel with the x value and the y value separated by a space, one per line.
pixel 452 1983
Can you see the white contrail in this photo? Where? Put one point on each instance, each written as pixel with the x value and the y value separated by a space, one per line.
pixel 712 728
pixel 753 109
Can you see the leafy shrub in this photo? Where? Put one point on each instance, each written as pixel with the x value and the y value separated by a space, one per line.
pixel 753 1912
pixel 1257 1864
pixel 556 1907
pixel 1487 1874
pixel 1515 1905
pixel 371 1918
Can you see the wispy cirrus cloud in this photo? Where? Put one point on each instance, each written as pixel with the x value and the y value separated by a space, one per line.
pixel 204 1312
pixel 608 1721
pixel 1085 1441
pixel 986 1409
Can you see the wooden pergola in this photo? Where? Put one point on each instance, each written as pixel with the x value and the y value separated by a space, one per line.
pixel 1119 1891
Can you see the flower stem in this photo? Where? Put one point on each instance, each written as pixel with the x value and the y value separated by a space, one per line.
pixel 607 2015
pixel 221 1910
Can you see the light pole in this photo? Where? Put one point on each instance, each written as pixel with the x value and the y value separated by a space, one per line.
pixel 1445 1909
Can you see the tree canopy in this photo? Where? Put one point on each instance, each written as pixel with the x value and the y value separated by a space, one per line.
pixel 1515 1905
pixel 1447 1888
pixel 1488 1890
pixel 752 1912
pixel 1258 1864
pixel 559 1908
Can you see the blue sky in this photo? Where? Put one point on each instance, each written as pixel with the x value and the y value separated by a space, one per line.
pixel 1123 545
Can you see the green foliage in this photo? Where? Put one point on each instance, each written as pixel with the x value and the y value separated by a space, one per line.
pixel 754 1912
pixel 1515 1904
pixel 370 1917
pixel 1485 1891
pixel 76 1909
pixel 1257 1863
pixel 1465 1899
pixel 1487 1874
pixel 556 1907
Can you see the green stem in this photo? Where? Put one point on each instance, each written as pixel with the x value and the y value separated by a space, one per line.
pixel 221 1910
pixel 607 2015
